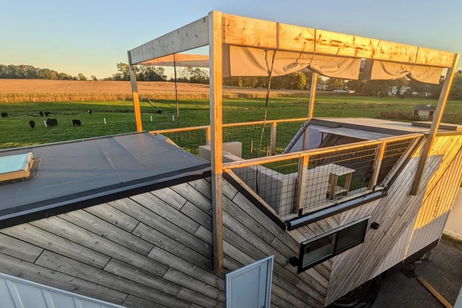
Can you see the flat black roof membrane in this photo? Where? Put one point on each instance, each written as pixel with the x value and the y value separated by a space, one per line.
pixel 76 174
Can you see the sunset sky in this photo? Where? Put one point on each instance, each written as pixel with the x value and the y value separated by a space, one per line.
pixel 92 36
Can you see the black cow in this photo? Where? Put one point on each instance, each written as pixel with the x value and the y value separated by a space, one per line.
pixel 32 124
pixel 89 111
pixel 41 113
pixel 47 113
pixel 158 111
pixel 4 114
pixel 76 123
pixel 52 122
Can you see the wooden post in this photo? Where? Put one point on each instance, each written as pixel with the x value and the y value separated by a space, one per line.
pixel 136 98
pixel 377 165
pixel 274 128
pixel 208 135
pixel 333 180
pixel 305 139
pixel 176 91
pixel 437 116
pixel 301 184
pixel 216 124
pixel 314 84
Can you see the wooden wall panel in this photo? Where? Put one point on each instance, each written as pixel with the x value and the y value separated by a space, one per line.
pixel 435 209
pixel 396 214
pixel 154 250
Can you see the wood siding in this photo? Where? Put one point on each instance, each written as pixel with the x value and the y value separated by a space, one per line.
pixel 407 223
pixel 154 250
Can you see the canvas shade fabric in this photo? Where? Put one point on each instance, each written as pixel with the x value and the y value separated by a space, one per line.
pixel 384 70
pixel 249 61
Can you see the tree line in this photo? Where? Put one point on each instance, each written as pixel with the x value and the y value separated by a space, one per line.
pixel 157 73
pixel 400 87
pixel 32 72
pixel 296 81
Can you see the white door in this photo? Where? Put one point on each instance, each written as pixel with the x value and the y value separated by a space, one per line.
pixel 250 286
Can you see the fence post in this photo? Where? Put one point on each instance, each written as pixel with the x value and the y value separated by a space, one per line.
pixel 301 183
pixel 274 128
pixel 136 97
pixel 216 123
pixel 208 135
pixel 377 165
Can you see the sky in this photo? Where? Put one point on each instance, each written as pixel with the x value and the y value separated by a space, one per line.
pixel 91 36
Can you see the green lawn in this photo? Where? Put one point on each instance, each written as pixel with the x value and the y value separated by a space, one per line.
pixel 15 130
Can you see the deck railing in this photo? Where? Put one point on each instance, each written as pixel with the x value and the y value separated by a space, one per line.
pixel 305 181
pixel 258 138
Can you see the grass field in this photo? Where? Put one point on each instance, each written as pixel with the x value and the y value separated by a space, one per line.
pixel 36 90
pixel 15 130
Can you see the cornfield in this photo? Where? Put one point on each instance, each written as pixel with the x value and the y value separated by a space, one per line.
pixel 34 90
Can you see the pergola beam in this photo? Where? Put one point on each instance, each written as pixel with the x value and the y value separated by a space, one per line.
pixel 259 33
pixel 193 35
pixel 437 117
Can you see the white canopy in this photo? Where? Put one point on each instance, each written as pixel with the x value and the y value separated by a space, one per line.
pixel 248 61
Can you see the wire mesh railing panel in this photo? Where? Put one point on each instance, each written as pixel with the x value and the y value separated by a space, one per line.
pixel 275 183
pixel 285 133
pixel 189 140
pixel 255 139
pixel 394 151
pixel 335 176
pixel 332 175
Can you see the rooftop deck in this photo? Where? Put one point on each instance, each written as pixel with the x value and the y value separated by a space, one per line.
pixel 67 174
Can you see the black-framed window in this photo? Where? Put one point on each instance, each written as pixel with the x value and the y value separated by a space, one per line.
pixel 319 249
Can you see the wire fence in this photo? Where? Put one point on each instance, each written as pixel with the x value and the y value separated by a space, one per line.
pixel 334 176
pixel 289 186
pixel 257 139
pixel 321 177
pixel 394 151
pixel 188 140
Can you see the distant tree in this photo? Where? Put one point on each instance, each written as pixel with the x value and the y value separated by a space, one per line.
pixel 335 83
pixel 456 90
pixel 81 76
pixel 197 75
pixel 93 78
pixel 247 82
pixel 143 73
pixel 294 81
pixel 297 81
pixel 151 73
pixel 123 72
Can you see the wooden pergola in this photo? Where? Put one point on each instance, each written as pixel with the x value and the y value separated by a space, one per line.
pixel 220 31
